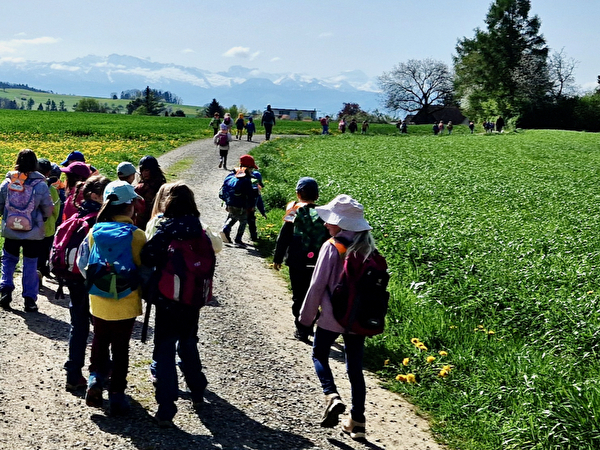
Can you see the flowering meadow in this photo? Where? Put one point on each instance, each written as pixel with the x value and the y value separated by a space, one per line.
pixel 494 252
pixel 104 139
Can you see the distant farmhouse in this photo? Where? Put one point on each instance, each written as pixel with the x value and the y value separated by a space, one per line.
pixel 433 114
pixel 295 114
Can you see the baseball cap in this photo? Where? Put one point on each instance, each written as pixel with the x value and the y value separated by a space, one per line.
pixel 123 190
pixel 125 169
pixel 78 168
pixel 73 156
pixel 248 161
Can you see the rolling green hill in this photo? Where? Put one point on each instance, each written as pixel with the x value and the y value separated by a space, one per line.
pixel 22 96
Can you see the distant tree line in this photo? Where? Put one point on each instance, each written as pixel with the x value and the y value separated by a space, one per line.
pixel 161 96
pixel 5 85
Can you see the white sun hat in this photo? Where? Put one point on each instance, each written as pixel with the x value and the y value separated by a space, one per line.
pixel 345 212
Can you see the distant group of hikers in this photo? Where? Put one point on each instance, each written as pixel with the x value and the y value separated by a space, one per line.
pixel 114 243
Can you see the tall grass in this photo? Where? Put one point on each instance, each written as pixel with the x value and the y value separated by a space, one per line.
pixel 494 252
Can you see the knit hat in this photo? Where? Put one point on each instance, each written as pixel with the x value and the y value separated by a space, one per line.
pixel 345 212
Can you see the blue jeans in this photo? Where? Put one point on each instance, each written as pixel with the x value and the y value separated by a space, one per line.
pixel 235 215
pixel 10 258
pixel 79 309
pixel 354 349
pixel 176 330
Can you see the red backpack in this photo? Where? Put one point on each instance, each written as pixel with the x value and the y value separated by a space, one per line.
pixel 360 299
pixel 188 274
pixel 223 140
pixel 65 248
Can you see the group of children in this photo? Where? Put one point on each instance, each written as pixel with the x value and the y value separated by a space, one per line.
pixel 228 123
pixel 126 253
pixel 104 264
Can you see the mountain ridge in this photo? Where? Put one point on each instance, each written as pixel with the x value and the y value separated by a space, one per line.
pixel 99 76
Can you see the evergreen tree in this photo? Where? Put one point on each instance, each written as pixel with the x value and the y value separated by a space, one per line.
pixel 214 107
pixel 504 65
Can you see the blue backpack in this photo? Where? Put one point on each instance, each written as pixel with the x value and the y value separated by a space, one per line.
pixel 111 272
pixel 233 193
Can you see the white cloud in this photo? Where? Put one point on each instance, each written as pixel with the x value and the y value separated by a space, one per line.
pixel 187 50
pixel 238 52
pixel 11 45
pixel 277 58
pixel 326 34
pixel 167 73
pixel 9 59
pixel 254 55
pixel 64 67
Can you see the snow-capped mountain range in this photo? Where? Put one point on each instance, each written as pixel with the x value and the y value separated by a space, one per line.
pixel 101 76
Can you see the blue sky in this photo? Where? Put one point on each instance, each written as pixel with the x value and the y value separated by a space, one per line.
pixel 316 38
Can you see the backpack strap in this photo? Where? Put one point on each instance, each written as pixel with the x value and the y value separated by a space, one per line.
pixel 341 247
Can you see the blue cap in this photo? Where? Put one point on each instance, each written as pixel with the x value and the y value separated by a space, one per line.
pixel 309 188
pixel 123 190
pixel 73 156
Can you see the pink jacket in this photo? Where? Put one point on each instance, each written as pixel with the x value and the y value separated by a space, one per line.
pixel 326 276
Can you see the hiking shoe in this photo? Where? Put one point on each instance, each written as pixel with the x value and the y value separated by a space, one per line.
pixel 163 423
pixel 220 163
pixel 240 244
pixel 74 385
pixel 302 336
pixel 30 305
pixel 5 299
pixel 225 237
pixel 356 430
pixel 119 405
pixel 93 395
pixel 334 408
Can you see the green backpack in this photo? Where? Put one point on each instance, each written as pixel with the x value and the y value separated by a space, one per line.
pixel 309 235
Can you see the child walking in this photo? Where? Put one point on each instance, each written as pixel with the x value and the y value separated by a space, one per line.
pixel 25 204
pixel 176 323
pixel 298 244
pixel 239 125
pixel 109 259
pixel 250 128
pixel 344 219
pixel 222 140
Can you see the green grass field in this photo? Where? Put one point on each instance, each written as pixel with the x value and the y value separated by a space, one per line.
pixel 494 253
pixel 21 96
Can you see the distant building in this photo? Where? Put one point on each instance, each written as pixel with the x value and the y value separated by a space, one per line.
pixel 293 114
pixel 433 114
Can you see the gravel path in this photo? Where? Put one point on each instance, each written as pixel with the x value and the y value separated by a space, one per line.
pixel 262 394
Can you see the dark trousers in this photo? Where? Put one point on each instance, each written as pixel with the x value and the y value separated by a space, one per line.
pixel 300 281
pixel 268 130
pixel 79 310
pixel 176 330
pixel 44 255
pixel 354 349
pixel 111 336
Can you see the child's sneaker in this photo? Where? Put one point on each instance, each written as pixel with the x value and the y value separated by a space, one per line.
pixel 334 408
pixel 225 237
pixel 356 430
pixel 163 423
pixel 119 405
pixel 75 384
pixel 93 395
pixel 30 305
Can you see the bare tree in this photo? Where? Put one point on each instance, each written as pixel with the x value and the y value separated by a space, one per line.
pixel 561 70
pixel 416 84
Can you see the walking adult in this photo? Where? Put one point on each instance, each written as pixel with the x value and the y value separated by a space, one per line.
pixel 25 204
pixel 344 219
pixel 268 121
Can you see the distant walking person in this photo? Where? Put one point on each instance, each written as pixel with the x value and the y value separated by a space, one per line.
pixel 499 124
pixel 239 125
pixel 250 128
pixel 268 121
pixel 353 127
pixel 222 140
pixel 215 123
pixel 450 127
pixel 365 127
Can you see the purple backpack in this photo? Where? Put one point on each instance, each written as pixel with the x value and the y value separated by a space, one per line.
pixel 20 202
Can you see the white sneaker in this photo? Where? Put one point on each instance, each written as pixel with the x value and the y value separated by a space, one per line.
pixel 334 408
pixel 356 430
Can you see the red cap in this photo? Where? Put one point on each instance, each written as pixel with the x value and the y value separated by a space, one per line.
pixel 248 161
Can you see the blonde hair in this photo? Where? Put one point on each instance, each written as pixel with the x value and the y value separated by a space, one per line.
pixel 160 200
pixel 363 244
pixel 240 116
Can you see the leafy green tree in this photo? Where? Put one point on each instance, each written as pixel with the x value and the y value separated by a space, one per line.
pixel 89 105
pixel 48 104
pixel 506 62
pixel 416 84
pixel 233 110
pixel 62 106
pixel 30 103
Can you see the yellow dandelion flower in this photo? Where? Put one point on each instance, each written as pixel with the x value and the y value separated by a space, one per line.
pixel 415 341
pixel 453 327
pixel 446 368
pixel 430 359
pixel 443 353
pixel 401 378
pixel 480 327
pixel 405 361
pixel 410 378
pixel 422 347
pixel 491 332
pixel 443 373
pixel 590 292
pixel 386 362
